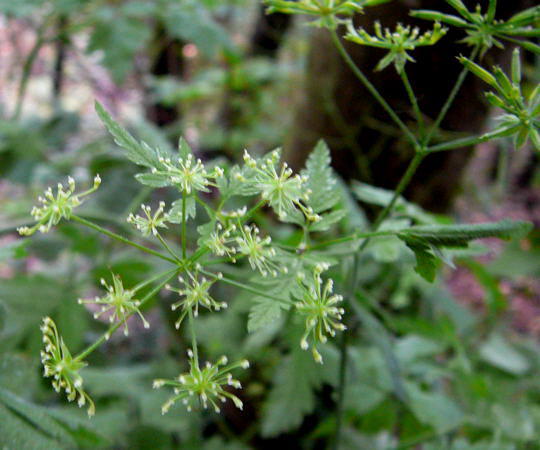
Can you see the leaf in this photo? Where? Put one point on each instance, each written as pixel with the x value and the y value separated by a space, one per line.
pixel 460 235
pixel 498 352
pixel 328 220
pixel 384 343
pixel 137 152
pixel 175 213
pixel 35 417
pixel 156 180
pixel 434 409
pixel 263 314
pixel 321 180
pixel 291 396
pixel 189 21
pixel 426 261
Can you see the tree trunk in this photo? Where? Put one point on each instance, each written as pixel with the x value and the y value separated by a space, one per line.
pixel 365 143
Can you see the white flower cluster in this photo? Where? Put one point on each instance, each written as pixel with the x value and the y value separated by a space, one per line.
pixel 149 225
pixel 203 386
pixel 195 292
pixel 53 209
pixel 318 305
pixel 59 365
pixel 119 302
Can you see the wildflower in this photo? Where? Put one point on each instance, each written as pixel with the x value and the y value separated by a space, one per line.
pixel 59 365
pixel 283 191
pixel 522 114
pixel 220 241
pixel 205 386
pixel 53 209
pixel 258 250
pixel 318 305
pixel 149 225
pixel 188 175
pixel 398 42
pixel 483 29
pixel 195 293
pixel 325 10
pixel 119 302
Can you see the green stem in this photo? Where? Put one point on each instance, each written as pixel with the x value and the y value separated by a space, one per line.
pixel 414 102
pixel 451 97
pixel 373 90
pixel 404 182
pixel 121 238
pixel 184 227
pixel 245 287
pixel 462 142
pixel 105 336
pixel 193 337
pixel 145 283
pixel 342 381
pixel 166 246
pixel 352 237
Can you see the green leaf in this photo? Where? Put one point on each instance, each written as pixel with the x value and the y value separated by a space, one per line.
pixel 434 409
pixel 156 180
pixel 35 417
pixel 498 352
pixel 460 235
pixel 263 314
pixel 175 213
pixel 426 261
pixel 328 220
pixel 291 396
pixel 138 152
pixel 321 179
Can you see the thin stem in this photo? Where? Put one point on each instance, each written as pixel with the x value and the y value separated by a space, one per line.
pixel 245 287
pixel 414 101
pixel 193 337
pixel 184 227
pixel 342 382
pixel 166 246
pixel 373 90
pixel 105 336
pixel 462 142
pixel 145 283
pixel 27 69
pixel 122 239
pixel 404 182
pixel 352 237
pixel 451 97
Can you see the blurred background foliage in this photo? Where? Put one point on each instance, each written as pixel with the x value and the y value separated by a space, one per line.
pixel 451 365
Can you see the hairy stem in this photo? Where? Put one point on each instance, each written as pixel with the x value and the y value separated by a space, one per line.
pixel 184 227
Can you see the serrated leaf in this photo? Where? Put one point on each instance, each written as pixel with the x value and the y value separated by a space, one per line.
pixel 175 213
pixel 321 180
pixel 156 180
pixel 460 235
pixel 292 394
pixel 328 220
pixel 138 152
pixel 263 314
pixel 36 416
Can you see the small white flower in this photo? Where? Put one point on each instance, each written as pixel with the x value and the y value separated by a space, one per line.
pixel 119 302
pixel 59 365
pixel 203 386
pixel 53 209
pixel 318 305
pixel 149 225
